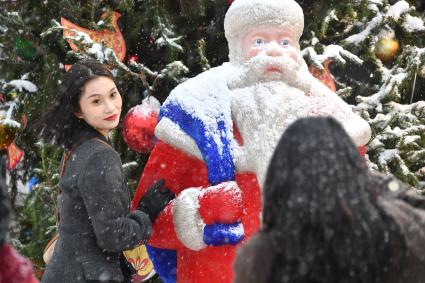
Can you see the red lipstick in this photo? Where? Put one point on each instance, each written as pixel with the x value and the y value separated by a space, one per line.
pixel 111 118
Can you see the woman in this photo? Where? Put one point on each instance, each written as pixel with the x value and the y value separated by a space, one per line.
pixel 326 218
pixel 95 222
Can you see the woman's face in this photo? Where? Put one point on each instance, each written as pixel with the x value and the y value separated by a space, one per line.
pixel 100 104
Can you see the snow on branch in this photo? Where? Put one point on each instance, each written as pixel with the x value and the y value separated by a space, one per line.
pixel 394 12
pixel 334 52
pixel 393 79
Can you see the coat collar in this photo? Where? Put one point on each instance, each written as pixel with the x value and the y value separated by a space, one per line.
pixel 86 132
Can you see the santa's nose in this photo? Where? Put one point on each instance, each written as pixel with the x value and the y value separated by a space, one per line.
pixel 274 50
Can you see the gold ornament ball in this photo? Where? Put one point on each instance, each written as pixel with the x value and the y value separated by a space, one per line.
pixel 386 49
pixel 7 135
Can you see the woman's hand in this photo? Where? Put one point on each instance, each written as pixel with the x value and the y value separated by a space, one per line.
pixel 155 200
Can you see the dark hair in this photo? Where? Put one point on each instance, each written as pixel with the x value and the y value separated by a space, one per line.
pixel 59 124
pixel 322 218
pixel 4 211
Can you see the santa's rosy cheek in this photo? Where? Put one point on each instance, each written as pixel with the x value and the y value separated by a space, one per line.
pixel 292 53
pixel 252 52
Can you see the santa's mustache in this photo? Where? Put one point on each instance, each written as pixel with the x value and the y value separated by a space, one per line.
pixel 262 68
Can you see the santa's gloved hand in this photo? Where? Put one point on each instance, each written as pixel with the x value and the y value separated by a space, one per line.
pixel 221 203
pixel 223 234
pixel 209 216
pixel 155 200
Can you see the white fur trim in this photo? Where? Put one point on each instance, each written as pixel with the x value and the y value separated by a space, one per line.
pixel 188 223
pixel 356 127
pixel 171 133
pixel 243 15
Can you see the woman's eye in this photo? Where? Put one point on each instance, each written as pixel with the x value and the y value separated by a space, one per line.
pixel 285 42
pixel 113 94
pixel 96 101
pixel 259 41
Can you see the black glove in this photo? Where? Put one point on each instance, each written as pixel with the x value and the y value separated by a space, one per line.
pixel 155 200
pixel 127 269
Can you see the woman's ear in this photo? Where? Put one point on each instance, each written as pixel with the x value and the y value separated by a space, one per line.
pixel 78 114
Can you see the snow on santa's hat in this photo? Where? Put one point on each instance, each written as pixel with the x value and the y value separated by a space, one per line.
pixel 243 15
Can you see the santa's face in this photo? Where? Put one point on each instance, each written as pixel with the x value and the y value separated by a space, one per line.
pixel 272 42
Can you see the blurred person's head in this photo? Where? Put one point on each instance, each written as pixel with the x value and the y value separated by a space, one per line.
pixel 320 213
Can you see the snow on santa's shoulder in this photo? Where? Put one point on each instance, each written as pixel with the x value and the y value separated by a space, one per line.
pixel 206 98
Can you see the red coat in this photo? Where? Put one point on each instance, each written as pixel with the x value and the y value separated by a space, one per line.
pixel 15 268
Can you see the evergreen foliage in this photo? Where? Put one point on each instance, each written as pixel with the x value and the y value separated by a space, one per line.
pixel 175 40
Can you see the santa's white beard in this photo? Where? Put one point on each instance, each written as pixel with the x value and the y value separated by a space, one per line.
pixel 262 110
pixel 292 72
pixel 261 113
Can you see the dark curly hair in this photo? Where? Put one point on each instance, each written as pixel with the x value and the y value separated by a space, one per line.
pixel 320 213
pixel 59 124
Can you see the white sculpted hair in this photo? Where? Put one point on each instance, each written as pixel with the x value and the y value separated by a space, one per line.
pixel 243 15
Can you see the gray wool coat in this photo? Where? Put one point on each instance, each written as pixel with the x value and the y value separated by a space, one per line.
pixel 95 222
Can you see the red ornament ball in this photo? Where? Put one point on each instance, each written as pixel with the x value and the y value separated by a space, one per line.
pixel 230 2
pixel 138 129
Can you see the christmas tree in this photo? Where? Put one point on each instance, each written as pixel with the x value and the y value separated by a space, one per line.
pixel 371 49
pixel 377 55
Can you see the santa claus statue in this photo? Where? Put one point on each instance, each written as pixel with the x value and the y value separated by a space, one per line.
pixel 216 135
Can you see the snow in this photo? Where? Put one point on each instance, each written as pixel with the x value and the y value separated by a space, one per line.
pixel 373 7
pixel 411 139
pixel 376 2
pixel 387 155
pixel 398 9
pixel 360 37
pixel 237 231
pixel 335 51
pixel 149 105
pixel 166 40
pixel 331 52
pixel 10 123
pixel 188 224
pixel 206 100
pixel 413 24
pixel 101 52
pixel 6 112
pixel 395 12
pixel 23 84
pixel 314 41
pixel 374 101
pixel 3 29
